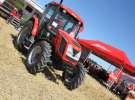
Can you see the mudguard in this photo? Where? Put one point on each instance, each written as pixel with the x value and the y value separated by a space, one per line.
pixel 35 26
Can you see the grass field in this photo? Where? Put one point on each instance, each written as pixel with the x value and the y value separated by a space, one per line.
pixel 17 84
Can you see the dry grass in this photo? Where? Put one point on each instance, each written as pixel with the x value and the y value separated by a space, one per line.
pixel 17 84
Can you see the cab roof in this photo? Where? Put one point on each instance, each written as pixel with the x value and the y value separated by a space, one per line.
pixel 76 16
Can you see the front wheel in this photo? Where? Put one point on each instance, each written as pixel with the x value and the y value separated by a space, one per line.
pixel 74 78
pixel 39 57
pixel 24 35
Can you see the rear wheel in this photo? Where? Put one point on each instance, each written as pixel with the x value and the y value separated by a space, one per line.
pixel 24 35
pixel 74 78
pixel 39 57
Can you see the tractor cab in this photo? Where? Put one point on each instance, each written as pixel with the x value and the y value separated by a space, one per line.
pixel 58 17
pixel 61 26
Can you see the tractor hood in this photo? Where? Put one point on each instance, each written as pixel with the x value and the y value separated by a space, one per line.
pixel 67 48
pixel 69 39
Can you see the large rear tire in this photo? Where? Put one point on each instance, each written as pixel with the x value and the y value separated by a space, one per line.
pixel 24 35
pixel 74 79
pixel 39 57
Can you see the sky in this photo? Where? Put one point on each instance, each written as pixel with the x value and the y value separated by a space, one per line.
pixel 110 21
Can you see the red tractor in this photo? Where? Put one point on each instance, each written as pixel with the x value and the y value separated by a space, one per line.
pixel 53 40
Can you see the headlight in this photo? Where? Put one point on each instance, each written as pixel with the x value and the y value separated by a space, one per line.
pixel 73 53
pixel 54 24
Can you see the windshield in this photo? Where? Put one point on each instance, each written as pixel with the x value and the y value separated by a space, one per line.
pixel 66 22
pixel 62 20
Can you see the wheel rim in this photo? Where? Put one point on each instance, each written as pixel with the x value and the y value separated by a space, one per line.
pixel 35 55
pixel 69 77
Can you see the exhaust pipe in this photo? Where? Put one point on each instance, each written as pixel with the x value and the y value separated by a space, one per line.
pixel 61 1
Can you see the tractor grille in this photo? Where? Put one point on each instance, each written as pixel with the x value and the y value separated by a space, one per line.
pixel 15 22
pixel 6 7
pixel 62 45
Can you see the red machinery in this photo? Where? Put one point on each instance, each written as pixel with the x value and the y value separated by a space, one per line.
pixel 7 8
pixel 14 17
pixel 51 41
pixel 115 76
pixel 110 54
pixel 131 87
pixel 114 56
pixel 13 12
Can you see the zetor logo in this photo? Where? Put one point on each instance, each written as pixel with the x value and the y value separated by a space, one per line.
pixel 102 47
